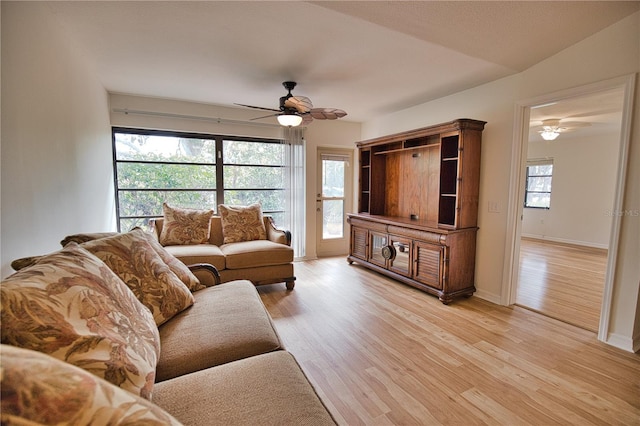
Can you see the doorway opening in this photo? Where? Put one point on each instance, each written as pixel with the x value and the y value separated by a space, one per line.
pixel 572 155
pixel 576 217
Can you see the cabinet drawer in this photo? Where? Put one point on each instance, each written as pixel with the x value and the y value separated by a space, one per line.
pixel 368 224
pixel 428 263
pixel 416 234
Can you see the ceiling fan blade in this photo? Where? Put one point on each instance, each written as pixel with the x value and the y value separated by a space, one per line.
pixel 559 123
pixel 306 119
pixel 301 103
pixel 257 107
pixel 574 124
pixel 265 116
pixel 327 113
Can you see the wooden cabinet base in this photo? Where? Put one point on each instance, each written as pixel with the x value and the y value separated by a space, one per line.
pixel 443 296
pixel 437 261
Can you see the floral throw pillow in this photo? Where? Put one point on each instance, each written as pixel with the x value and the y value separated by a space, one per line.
pixel 185 226
pixel 177 266
pixel 72 306
pixel 133 259
pixel 40 389
pixel 24 262
pixel 242 223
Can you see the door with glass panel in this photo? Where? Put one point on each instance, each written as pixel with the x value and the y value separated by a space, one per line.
pixel 333 201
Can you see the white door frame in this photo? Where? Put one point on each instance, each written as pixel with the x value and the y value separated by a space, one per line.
pixel 516 189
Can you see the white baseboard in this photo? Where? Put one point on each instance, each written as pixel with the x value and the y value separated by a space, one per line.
pixel 489 297
pixel 625 343
pixel 566 241
pixel 304 258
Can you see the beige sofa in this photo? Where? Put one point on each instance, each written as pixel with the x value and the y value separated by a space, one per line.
pixel 220 361
pixel 260 261
pixel 234 368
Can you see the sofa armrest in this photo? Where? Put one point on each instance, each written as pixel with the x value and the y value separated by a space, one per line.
pixel 208 269
pixel 276 235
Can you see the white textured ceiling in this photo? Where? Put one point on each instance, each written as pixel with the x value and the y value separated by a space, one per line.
pixel 366 57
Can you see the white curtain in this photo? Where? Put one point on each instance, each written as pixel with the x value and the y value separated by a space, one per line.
pixel 293 137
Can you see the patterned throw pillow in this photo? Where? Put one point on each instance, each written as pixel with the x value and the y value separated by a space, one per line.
pixel 241 223
pixel 177 266
pixel 41 389
pixel 138 265
pixel 23 262
pixel 185 226
pixel 72 306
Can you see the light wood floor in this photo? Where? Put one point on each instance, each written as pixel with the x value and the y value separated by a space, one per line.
pixel 562 281
pixel 382 353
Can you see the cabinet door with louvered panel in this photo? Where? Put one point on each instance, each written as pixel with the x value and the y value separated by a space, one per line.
pixel 359 240
pixel 428 263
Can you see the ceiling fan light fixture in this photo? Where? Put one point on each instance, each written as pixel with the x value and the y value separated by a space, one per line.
pixel 296 110
pixel 289 120
pixel 549 135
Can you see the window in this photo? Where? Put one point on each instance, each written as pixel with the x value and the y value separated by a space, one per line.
pixel 333 195
pixel 194 171
pixel 254 172
pixel 537 193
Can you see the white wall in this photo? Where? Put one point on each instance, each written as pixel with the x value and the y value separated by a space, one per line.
pixel 318 134
pixel 582 194
pixel 610 53
pixel 56 149
pixel 185 116
pixel 333 134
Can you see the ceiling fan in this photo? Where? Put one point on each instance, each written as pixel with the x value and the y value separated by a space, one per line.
pixel 295 110
pixel 552 127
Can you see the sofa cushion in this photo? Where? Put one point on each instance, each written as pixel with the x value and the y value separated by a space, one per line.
pixel 242 223
pixel 44 390
pixel 226 323
pixel 184 226
pixel 251 254
pixel 199 253
pixel 73 307
pixel 133 259
pixel 268 389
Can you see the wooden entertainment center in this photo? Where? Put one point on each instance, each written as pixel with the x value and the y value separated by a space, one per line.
pixel 418 207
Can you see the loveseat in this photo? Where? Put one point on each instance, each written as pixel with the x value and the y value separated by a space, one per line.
pixel 262 257
pixel 116 329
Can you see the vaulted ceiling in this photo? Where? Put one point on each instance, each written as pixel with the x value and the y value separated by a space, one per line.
pixel 366 57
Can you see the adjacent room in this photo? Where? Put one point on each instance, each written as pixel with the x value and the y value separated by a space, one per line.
pixel 320 212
